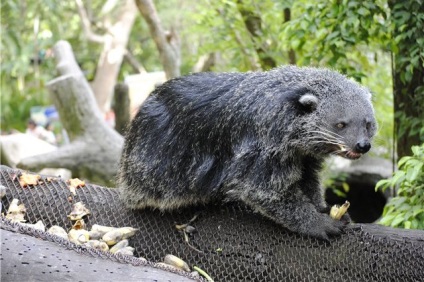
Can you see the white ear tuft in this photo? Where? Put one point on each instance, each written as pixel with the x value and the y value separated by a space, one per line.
pixel 309 101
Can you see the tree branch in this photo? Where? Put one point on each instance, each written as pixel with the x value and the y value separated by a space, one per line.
pixel 167 43
pixel 86 25
pixel 253 23
pixel 132 61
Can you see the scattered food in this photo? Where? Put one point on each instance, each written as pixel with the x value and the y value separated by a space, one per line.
pixel 120 245
pixel 16 212
pixel 79 224
pixel 118 234
pixel 95 235
pixel 29 179
pixel 75 183
pixel 78 236
pixel 104 238
pixel 2 191
pixel 337 212
pixel 129 251
pixel 59 231
pixel 176 262
pixel 50 179
pixel 39 225
pixel 98 245
pixel 102 229
pixel 78 211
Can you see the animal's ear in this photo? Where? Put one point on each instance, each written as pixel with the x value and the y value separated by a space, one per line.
pixel 309 102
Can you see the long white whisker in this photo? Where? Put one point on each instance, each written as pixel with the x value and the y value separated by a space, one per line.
pixel 324 140
pixel 327 142
pixel 330 132
pixel 327 132
pixel 323 127
pixel 326 135
pixel 323 133
pixel 323 137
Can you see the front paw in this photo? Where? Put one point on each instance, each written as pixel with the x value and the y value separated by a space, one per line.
pixel 323 227
pixel 346 219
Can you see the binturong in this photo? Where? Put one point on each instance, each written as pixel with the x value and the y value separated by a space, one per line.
pixel 260 138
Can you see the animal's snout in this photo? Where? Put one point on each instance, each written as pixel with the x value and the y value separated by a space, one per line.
pixel 362 147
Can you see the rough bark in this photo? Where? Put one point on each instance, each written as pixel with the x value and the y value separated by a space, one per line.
pixel 121 107
pixel 114 43
pixel 95 147
pixel 167 43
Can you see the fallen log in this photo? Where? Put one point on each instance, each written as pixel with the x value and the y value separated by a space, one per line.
pixel 95 147
pixel 231 242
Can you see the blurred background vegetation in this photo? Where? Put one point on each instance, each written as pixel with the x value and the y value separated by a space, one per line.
pixel 351 36
pixel 378 43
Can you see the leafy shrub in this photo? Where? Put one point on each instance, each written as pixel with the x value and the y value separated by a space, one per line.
pixel 406 209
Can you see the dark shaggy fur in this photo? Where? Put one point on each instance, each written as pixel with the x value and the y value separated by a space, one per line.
pixel 258 137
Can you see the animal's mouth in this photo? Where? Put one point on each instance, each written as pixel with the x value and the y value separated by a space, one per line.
pixel 348 154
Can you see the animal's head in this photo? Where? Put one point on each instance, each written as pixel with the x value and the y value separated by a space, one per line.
pixel 340 116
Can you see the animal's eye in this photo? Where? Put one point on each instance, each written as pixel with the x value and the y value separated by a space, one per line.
pixel 368 125
pixel 341 125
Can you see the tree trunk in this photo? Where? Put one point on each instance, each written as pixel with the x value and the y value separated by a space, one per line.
pixel 253 24
pixel 167 43
pixel 95 147
pixel 292 54
pixel 114 49
pixel 114 43
pixel 408 107
pixel 121 107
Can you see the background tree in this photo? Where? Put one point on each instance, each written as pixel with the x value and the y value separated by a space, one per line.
pixel 408 73
pixel 351 36
pixel 167 42
pixel 115 20
pixel 225 35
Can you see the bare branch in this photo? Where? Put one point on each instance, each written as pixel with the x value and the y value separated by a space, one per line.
pixel 167 43
pixel 205 63
pixel 134 63
pixel 86 25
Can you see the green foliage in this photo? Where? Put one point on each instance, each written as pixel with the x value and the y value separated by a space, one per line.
pixel 337 183
pixel 406 209
pixel 29 29
pixel 225 31
pixel 343 34
pixel 351 36
pixel 407 20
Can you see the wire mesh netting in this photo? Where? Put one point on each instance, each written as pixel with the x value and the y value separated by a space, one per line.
pixel 231 243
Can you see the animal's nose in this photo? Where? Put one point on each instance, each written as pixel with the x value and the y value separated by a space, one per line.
pixel 363 147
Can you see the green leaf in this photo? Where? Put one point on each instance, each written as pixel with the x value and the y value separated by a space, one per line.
pixel 384 183
pixel 386 220
pixel 397 220
pixel 398 177
pixel 418 210
pixel 403 160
